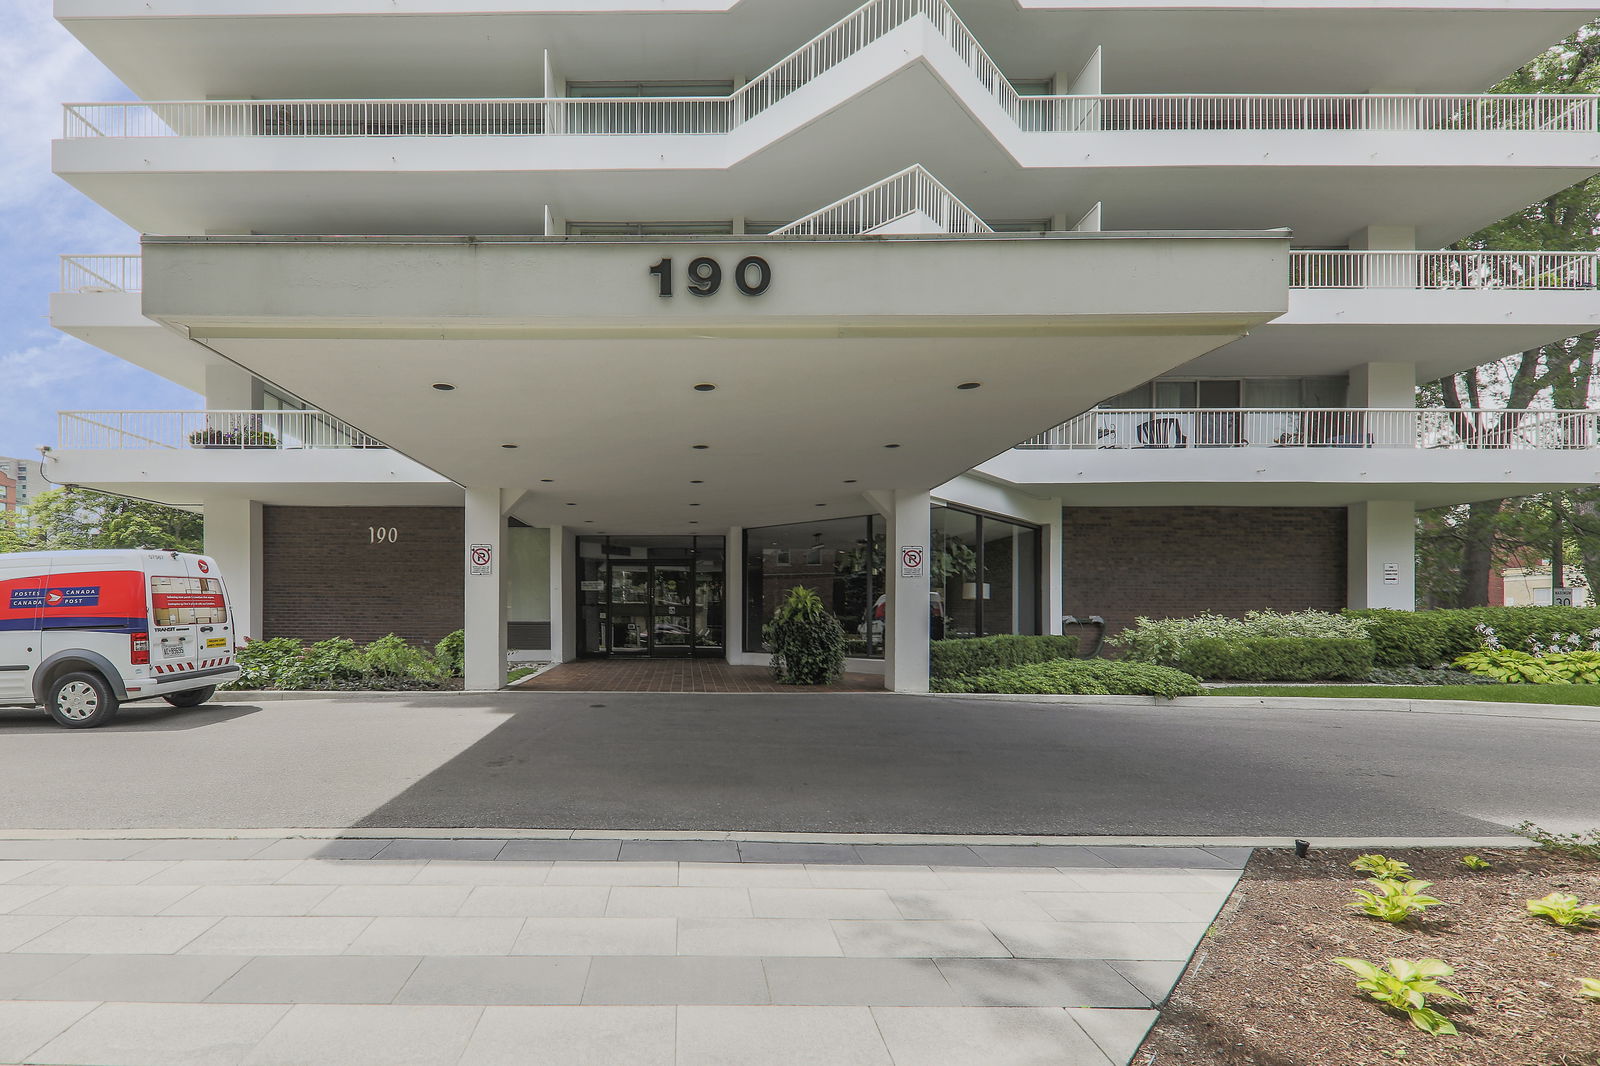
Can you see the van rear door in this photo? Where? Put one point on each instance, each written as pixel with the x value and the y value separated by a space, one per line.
pixel 21 599
pixel 190 629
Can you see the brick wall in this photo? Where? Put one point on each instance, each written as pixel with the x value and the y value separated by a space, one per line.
pixel 1173 562
pixel 325 577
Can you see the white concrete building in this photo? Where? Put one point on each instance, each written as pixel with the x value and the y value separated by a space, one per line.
pixel 597 328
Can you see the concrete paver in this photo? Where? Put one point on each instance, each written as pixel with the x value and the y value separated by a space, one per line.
pixel 435 958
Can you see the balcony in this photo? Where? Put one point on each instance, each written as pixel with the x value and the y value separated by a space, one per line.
pixel 1305 457
pixel 900 81
pixel 284 457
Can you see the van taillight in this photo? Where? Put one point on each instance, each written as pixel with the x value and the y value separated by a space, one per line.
pixel 139 648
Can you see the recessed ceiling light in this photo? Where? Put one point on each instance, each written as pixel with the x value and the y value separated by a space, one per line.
pixel 694 505
pixel 891 445
pixel 694 522
pixel 547 481
pixel 965 385
pixel 444 386
pixel 700 447
pixel 510 446
pixel 705 386
pixel 822 505
pixel 588 521
pixel 849 481
pixel 572 505
pixel 697 482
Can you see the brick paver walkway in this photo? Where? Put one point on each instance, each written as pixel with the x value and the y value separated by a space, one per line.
pixel 678 675
pixel 566 952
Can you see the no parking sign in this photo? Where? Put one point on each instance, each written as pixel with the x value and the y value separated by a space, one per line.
pixel 913 560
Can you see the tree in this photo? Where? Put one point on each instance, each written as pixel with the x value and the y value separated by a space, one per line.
pixel 73 518
pixel 1459 547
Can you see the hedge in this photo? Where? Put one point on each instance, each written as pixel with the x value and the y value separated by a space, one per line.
pixel 972 655
pixel 1278 659
pixel 1428 638
pixel 1089 677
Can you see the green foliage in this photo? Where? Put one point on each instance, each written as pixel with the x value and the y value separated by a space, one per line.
pixel 1473 862
pixel 1162 641
pixel 1427 638
pixel 1589 988
pixel 1381 867
pixel 807 641
pixel 72 519
pixel 1511 667
pixel 1584 846
pixel 972 655
pixel 336 664
pixel 1405 985
pixel 1394 901
pixel 1090 677
pixel 1564 909
pixel 451 654
pixel 1278 658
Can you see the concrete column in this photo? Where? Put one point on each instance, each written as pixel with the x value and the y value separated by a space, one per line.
pixel 1383 554
pixel 733 594
pixel 233 539
pixel 563 594
pixel 906 633
pixel 485 590
pixel 231 388
pixel 1054 569
pixel 1385 386
pixel 1384 238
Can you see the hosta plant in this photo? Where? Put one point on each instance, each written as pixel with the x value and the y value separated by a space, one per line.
pixel 1589 988
pixel 1564 909
pixel 1472 862
pixel 1512 667
pixel 1383 868
pixel 1394 901
pixel 1405 985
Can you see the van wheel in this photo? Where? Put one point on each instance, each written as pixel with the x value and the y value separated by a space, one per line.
pixel 82 701
pixel 192 698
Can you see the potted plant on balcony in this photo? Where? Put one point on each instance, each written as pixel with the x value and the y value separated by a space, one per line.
pixel 235 437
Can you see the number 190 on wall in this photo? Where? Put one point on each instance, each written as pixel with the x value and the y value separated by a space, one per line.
pixel 704 276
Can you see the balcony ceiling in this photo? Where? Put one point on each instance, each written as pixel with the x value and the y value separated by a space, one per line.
pixel 195 49
pixel 567 352
pixel 1324 185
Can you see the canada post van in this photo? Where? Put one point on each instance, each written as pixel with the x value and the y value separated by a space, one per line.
pixel 83 632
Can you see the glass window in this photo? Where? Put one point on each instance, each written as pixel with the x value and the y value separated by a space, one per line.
pixel 956 607
pixel 1020 225
pixel 649 229
pixel 187 601
pixel 1324 392
pixel 1174 395
pixel 1218 395
pixel 1034 86
pixel 985 575
pixel 1272 393
pixel 1132 400
pixel 840 559
pixel 1010 597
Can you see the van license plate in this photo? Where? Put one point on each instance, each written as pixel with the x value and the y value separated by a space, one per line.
pixel 172 651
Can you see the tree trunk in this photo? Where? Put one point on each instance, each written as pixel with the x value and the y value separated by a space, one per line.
pixel 1478 554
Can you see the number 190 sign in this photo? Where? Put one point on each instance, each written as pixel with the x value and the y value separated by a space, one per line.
pixel 752 276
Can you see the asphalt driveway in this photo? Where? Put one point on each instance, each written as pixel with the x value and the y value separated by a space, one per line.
pixel 801 763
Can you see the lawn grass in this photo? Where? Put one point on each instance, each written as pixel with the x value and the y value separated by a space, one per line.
pixel 1576 695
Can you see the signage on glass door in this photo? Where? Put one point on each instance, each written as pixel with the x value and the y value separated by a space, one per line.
pixel 704 276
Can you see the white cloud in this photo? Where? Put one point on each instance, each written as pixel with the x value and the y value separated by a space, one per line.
pixel 42 365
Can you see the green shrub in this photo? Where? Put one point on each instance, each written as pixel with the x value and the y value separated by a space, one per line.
pixel 338 663
pixel 451 654
pixel 807 641
pixel 1092 677
pixel 1428 638
pixel 1520 667
pixel 390 659
pixel 266 662
pixel 1163 640
pixel 1418 675
pixel 1278 659
pixel 972 655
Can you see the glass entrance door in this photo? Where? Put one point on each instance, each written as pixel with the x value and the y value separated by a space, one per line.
pixel 651 596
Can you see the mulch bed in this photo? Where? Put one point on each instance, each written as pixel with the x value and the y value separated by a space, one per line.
pixel 1262 989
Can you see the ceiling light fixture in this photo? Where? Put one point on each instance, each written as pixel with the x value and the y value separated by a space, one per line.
pixel 510 446
pixel 547 481
pixel 705 386
pixel 969 385
pixel 849 481
pixel 700 447
pixel 444 386
pixel 891 445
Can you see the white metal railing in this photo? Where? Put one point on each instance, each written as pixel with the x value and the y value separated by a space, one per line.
pixel 895 197
pixel 101 273
pixel 235 430
pixel 845 38
pixel 1326 427
pixel 1442 270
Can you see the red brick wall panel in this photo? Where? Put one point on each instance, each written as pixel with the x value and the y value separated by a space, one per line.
pixel 325 576
pixel 1174 562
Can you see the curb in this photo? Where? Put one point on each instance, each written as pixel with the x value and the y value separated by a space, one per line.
pixel 366 833
pixel 1546 711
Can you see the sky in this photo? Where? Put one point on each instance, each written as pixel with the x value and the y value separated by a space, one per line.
pixel 43 371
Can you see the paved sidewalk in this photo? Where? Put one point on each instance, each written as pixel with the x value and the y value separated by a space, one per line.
pixel 680 675
pixel 573 952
